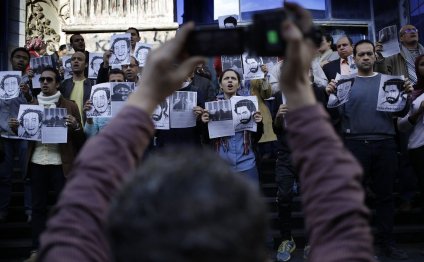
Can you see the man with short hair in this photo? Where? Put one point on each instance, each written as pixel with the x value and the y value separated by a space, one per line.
pixel 403 63
pixel 370 136
pixel 19 60
pixel 78 87
pixel 345 65
pixel 131 70
pixel 49 164
pixel 78 44
pixel 135 37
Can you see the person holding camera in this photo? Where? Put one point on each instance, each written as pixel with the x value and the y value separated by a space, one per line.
pixel 336 217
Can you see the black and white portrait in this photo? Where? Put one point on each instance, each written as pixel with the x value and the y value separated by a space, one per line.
pixel 391 97
pixel 141 52
pixel 120 45
pixel 30 121
pixel 121 90
pixel 95 59
pixel 9 84
pixel 227 21
pixel 66 63
pixel 101 100
pixel 183 101
pixel 243 110
pixel 220 118
pixel 160 116
pixel 252 67
pixel 232 62
pixel 37 64
pixel 342 94
pixel 220 110
pixel 54 129
pixel 388 37
pixel 181 109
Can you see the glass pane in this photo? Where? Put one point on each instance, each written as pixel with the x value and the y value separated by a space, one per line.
pixel 225 7
pixel 250 7
pixel 351 9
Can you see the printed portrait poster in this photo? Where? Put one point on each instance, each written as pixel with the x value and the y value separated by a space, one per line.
pixel 160 116
pixel 120 93
pixel 140 53
pixel 391 97
pixel 101 98
pixel 343 88
pixel 182 104
pixel 232 62
pixel 66 63
pixel 388 37
pixel 120 44
pixel 9 84
pixel 220 118
pixel 54 130
pixel 95 59
pixel 269 61
pixel 252 67
pixel 37 65
pixel 243 108
pixel 30 119
pixel 227 21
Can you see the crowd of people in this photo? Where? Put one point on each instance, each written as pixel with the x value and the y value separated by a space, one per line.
pixel 185 203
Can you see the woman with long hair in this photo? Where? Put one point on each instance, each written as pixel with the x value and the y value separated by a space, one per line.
pixel 413 122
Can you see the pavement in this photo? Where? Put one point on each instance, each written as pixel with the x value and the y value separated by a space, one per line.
pixel 414 250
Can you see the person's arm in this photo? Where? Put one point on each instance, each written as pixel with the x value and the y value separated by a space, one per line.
pixel 91 128
pixel 333 199
pixel 408 122
pixel 77 229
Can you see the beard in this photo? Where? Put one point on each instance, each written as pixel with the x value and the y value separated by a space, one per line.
pixel 245 120
pixel 254 70
pixel 391 100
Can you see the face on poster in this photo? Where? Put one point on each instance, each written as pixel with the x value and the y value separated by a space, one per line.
pixel 243 110
pixel 160 115
pixel 252 67
pixel 141 52
pixel 95 60
pixel 391 96
pixel 120 45
pixel 101 100
pixel 9 84
pixel 121 90
pixel 30 121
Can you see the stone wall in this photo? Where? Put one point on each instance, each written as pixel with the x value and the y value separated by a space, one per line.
pixel 97 20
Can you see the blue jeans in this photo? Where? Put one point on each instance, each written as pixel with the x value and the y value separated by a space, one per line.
pixel 13 148
pixel 252 174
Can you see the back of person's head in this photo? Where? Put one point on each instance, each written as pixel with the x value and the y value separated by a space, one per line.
pixel 180 210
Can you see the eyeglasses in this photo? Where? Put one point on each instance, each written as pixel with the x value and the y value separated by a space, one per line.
pixel 410 30
pixel 49 79
pixel 130 66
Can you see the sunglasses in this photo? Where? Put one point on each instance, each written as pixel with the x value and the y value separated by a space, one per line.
pixel 411 30
pixel 49 79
